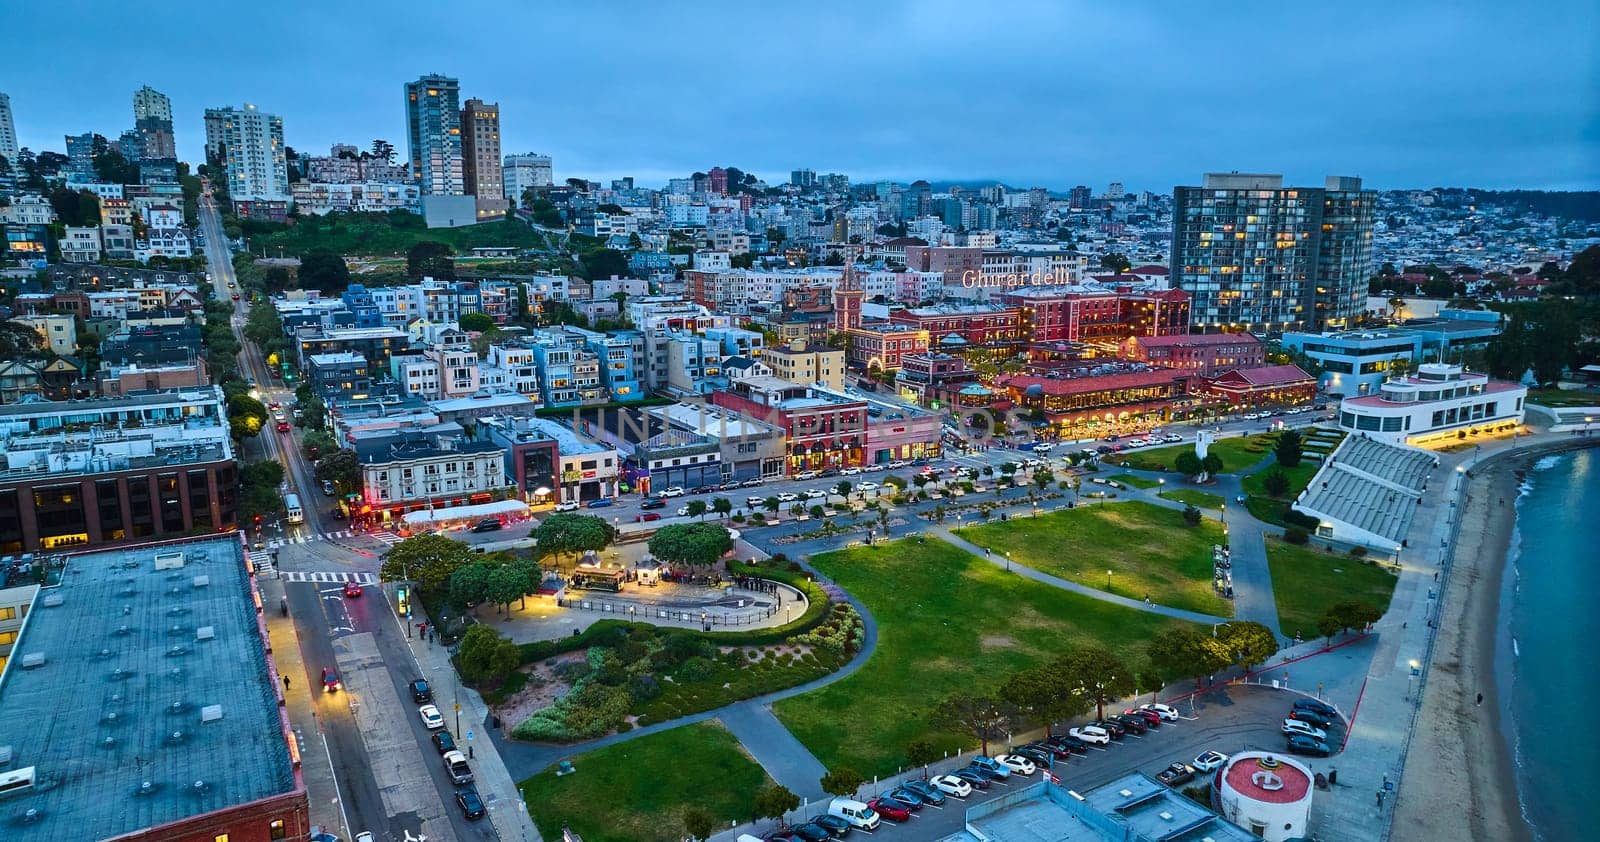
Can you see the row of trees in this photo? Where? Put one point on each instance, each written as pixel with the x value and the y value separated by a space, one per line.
pixel 1546 337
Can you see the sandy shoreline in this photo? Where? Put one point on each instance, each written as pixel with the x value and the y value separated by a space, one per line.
pixel 1459 778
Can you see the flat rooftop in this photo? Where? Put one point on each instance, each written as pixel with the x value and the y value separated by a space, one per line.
pixel 135 658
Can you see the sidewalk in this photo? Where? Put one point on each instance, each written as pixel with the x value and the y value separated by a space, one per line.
pixel 315 763
pixel 463 705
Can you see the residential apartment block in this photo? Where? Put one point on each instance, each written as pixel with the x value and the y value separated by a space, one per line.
pixel 433 132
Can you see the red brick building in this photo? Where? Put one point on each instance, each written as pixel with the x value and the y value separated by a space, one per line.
pixel 1087 401
pixel 974 326
pixel 1205 354
pixel 884 346
pixel 1090 314
pixel 1273 385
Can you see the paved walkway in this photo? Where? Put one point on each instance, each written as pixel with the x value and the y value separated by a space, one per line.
pixel 1057 582
pixel 783 756
pixel 316 765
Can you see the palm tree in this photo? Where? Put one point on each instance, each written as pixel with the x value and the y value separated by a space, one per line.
pixel 1397 305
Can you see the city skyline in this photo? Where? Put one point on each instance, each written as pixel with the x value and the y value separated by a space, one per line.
pixel 1399 105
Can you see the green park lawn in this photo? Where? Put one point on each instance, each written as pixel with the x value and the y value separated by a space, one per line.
pixel 1199 499
pixel 1307 581
pixel 1136 482
pixel 1148 549
pixel 374 234
pixel 1238 453
pixel 1563 397
pixel 947 623
pixel 636 791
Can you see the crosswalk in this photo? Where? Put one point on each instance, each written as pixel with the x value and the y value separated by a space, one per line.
pixel 334 577
pixel 382 537
pixel 261 561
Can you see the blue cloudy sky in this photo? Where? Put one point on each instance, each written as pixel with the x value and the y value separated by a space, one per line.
pixel 1406 94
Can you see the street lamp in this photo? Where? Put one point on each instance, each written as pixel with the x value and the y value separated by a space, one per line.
pixel 1108 581
pixel 1008 561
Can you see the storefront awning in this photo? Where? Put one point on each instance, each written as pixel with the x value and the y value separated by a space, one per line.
pixel 481 510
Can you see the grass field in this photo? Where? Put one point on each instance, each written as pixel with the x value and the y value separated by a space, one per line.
pixel 1563 397
pixel 1136 482
pixel 947 622
pixel 1306 581
pixel 1199 499
pixel 636 791
pixel 374 234
pixel 1147 548
pixel 1238 453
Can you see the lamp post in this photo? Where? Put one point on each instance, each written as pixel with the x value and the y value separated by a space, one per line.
pixel 1108 581
pixel 1008 561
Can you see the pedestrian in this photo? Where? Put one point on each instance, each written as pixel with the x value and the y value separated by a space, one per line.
pixel 285 682
pixel 1380 799
pixel 1480 698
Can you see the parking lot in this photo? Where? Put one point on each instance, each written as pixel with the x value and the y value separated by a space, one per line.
pixel 1230 719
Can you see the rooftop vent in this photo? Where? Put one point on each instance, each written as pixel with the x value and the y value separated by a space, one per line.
pixel 205 633
pixel 103 654
pixel 202 581
pixel 32 660
pixel 176 737
pixel 108 743
pixel 16 782
pixel 169 561
pixel 146 788
pixel 211 713
pixel 53 601
pixel 123 631
pixel 178 706
pixel 110 718
pixel 120 674
pixel 177 651
pixel 1125 793
pixel 174 631
pixel 1165 816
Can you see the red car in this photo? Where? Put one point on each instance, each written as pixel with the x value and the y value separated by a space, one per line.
pixel 890 809
pixel 1149 716
pixel 645 517
pixel 351 589
pixel 330 681
pixel 283 426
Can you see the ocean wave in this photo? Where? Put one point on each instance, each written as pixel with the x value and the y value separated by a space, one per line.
pixel 1545 463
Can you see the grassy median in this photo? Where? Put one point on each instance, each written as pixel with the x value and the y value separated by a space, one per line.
pixel 1306 581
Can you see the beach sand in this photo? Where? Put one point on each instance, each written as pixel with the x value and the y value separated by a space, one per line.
pixel 1459 778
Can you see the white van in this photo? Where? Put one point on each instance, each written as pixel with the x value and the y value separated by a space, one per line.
pixel 856 813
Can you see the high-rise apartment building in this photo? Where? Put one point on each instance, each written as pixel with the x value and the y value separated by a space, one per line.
pixel 433 131
pixel 480 150
pixel 249 142
pixel 523 171
pixel 152 119
pixel 8 131
pixel 1258 256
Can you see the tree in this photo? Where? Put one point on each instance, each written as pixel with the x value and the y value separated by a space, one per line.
pixel 1182 651
pixel 772 504
pixel 985 718
pixel 566 532
pixel 323 270
pixel 1099 675
pixel 691 544
pixel 483 655
pixel 816 512
pixel 430 258
pixel 428 560
pixel 258 490
pixel 843 781
pixel 469 585
pixel 1188 464
pixel 1212 464
pixel 1351 614
pixel 77 208
pixel 18 341
pixel 1115 262
pixel 1044 693
pixel 843 488
pixel 1287 450
pixel 475 322
pixel 506 584
pixel 1042 478
pixel 342 468
pixel 773 801
pixel 246 415
pixel 696 508
pixel 698 822
pixel 1583 273
pixel 110 167
pixel 1191 515
pixel 1248 643
pixel 1276 482
pixel 604 263
pixel 921 753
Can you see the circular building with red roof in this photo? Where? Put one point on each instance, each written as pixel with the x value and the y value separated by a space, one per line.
pixel 1267 794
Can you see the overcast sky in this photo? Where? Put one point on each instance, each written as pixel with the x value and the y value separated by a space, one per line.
pixel 1152 94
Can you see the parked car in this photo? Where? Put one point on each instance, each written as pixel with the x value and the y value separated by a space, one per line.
pixel 849 472
pixel 674 491
pixel 600 503
pixel 929 793
pixel 810 832
pixel 702 489
pixel 814 494
pixel 646 517
pixel 854 812
pixel 1316 706
pixel 752 483
pixel 1112 727
pixel 891 809
pixel 1134 724
pixel 455 765
pixel 1310 717
pixel 974 777
pixel 1068 742
pixel 1176 775
pixel 782 836
pixel 991 766
pixel 788 497
pixel 805 475
pixel 867 486
pixel 1048 749
pixel 1150 717
pixel 1209 761
pixel 328 489
pixel 432 719
pixel 952 785
pixel 488 524
pixel 1091 735
pixel 1040 755
pixel 443 741
pixel 1166 712
pixel 421 693
pixel 1302 744
pixel 1017 763
pixel 1292 727
pixel 469 802
pixel 833 824
pixel 567 507
pixel 755 502
pixel 653 503
pixel 351 590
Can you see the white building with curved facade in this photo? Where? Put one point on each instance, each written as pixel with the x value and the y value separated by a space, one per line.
pixel 1440 402
pixel 1267 794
